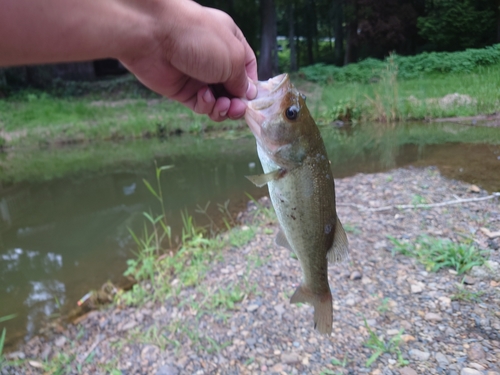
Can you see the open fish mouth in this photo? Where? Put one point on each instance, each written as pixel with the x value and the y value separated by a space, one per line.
pixel 267 102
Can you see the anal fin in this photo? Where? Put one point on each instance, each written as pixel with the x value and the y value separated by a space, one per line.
pixel 340 247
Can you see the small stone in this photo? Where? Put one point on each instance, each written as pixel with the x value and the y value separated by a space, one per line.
pixel 433 317
pixel 16 355
pixel 469 280
pixel 477 366
pixel 407 338
pixel 150 353
pixel 167 370
pixel 416 288
pixel 356 275
pixel 35 364
pixel 419 355
pixel 280 309
pixel 470 371
pixel 60 341
pixel 392 332
pixel 277 368
pixel 252 307
pixel 290 358
pixel 476 352
pixel 442 359
pixel 128 325
pixel 474 189
pixel 407 371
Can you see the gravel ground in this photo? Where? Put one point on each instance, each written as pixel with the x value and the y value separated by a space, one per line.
pixel 201 331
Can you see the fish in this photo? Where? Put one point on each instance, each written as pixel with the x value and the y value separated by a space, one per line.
pixel 298 174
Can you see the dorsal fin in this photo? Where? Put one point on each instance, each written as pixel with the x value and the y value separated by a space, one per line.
pixel 340 247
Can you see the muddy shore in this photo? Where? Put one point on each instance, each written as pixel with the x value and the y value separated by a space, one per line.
pixel 378 292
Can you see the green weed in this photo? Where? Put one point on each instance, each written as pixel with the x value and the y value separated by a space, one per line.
pixel 463 294
pixel 384 305
pixel 379 346
pixel 437 253
pixel 340 363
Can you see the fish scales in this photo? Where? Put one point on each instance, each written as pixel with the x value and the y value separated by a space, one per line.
pixel 298 174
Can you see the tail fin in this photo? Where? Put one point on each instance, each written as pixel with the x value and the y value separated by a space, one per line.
pixel 323 310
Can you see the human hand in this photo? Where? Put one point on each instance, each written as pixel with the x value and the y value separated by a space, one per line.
pixel 191 48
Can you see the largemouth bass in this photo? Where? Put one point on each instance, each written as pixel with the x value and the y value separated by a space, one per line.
pixel 298 174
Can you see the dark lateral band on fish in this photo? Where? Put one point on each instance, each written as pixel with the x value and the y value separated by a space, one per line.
pixel 297 172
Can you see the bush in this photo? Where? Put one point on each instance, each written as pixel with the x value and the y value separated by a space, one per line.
pixel 370 70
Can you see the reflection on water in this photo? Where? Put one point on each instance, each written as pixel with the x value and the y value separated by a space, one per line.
pixel 62 237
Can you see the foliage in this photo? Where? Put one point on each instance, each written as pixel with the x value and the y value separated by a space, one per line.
pixel 2 337
pixel 371 70
pixel 457 24
pixel 161 269
pixel 437 253
pixel 463 294
pixel 380 346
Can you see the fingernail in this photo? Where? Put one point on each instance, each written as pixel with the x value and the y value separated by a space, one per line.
pixel 208 97
pixel 223 114
pixel 251 90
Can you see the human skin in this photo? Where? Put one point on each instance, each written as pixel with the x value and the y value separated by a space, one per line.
pixel 175 47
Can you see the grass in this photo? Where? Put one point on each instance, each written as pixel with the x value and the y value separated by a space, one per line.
pixel 46 118
pixel 394 99
pixel 463 294
pixel 437 253
pixel 380 346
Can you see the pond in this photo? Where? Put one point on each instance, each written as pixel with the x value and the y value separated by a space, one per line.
pixel 65 213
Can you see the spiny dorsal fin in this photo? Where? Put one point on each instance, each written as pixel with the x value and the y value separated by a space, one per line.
pixel 340 247
pixel 262 179
pixel 282 241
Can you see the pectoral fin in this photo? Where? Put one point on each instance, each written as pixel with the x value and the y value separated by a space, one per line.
pixel 340 248
pixel 282 241
pixel 262 179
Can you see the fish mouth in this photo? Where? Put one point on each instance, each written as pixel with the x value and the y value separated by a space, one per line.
pixel 267 102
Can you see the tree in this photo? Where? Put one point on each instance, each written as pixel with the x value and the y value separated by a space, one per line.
pixel 458 24
pixel 268 49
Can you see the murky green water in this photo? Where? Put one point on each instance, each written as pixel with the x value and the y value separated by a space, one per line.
pixel 61 236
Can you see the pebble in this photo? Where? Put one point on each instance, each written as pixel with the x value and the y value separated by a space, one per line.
pixel 419 355
pixel 167 370
pixel 356 275
pixel 60 341
pixel 407 371
pixel 470 371
pixel 442 359
pixel 290 358
pixel 417 288
pixel 252 307
pixel 433 317
pixel 476 352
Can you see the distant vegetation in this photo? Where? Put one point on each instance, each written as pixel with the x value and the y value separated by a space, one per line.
pixel 408 67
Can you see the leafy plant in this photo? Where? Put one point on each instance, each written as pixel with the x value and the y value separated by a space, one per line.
pixel 437 253
pixel 463 294
pixel 380 346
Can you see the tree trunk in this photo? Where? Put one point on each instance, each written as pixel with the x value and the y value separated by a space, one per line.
pixel 498 21
pixel 351 52
pixel 338 32
pixel 310 27
pixel 291 38
pixel 267 56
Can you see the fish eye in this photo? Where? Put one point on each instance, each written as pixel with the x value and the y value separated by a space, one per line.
pixel 292 112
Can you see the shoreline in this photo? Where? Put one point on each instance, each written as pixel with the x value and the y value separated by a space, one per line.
pixel 237 318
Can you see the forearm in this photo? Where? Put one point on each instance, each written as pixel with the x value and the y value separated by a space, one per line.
pixel 45 31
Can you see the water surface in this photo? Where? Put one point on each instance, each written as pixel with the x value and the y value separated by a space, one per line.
pixel 64 219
